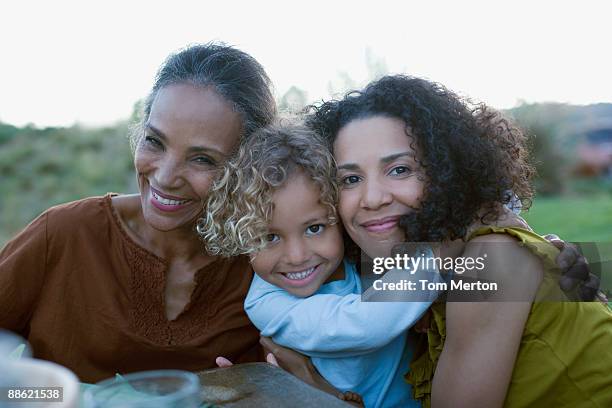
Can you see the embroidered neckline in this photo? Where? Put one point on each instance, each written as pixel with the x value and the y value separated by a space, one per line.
pixel 147 290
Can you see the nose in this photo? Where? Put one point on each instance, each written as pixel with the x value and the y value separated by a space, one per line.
pixel 297 252
pixel 169 173
pixel 375 195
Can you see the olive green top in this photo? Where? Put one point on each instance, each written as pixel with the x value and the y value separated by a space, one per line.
pixel 565 355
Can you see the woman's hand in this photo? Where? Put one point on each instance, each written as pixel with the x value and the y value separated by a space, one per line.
pixel 223 362
pixel 576 274
pixel 353 398
pixel 299 365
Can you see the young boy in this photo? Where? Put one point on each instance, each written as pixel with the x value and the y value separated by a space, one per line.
pixel 276 201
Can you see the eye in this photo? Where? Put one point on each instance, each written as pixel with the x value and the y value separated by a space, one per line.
pixel 396 171
pixel 315 229
pixel 348 180
pixel 153 141
pixel 204 160
pixel 272 238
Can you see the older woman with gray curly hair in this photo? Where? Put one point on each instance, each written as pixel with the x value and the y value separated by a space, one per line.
pixel 120 283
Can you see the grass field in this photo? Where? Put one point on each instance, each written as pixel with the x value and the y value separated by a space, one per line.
pixel 586 218
pixel 578 219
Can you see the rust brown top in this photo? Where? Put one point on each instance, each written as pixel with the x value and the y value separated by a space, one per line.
pixel 88 297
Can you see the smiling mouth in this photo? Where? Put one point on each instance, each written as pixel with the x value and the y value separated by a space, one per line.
pixel 301 278
pixel 381 225
pixel 167 203
pixel 299 275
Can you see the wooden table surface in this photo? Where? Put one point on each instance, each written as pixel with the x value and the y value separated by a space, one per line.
pixel 261 385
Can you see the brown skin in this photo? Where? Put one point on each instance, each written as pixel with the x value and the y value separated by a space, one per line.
pixel 382 180
pixel 190 132
pixel 302 367
pixel 300 237
pixel 483 338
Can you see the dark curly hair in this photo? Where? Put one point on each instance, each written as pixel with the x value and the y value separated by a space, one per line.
pixel 473 158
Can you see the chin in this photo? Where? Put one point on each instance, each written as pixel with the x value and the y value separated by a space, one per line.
pixel 379 249
pixel 378 246
pixel 301 293
pixel 167 224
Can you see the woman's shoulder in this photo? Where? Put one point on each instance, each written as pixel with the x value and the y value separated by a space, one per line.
pixel 84 219
pixel 67 226
pixel 75 212
pixel 126 205
pixel 525 238
pixel 513 257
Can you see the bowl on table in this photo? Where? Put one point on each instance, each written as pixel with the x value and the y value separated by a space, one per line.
pixel 56 386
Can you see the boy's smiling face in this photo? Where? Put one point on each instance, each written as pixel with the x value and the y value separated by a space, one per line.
pixel 303 250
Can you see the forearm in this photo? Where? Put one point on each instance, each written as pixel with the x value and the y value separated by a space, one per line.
pixel 325 324
pixel 339 326
pixel 301 366
pixel 461 382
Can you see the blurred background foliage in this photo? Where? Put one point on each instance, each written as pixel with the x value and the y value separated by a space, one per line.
pixel 571 147
pixel 40 168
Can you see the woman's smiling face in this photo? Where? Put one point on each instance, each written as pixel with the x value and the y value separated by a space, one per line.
pixel 190 132
pixel 380 181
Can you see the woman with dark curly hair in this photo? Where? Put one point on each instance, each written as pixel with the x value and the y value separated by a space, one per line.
pixel 418 163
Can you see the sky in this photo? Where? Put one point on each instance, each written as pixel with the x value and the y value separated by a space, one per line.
pixel 86 62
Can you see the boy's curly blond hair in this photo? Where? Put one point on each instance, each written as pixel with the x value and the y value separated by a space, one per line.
pixel 239 205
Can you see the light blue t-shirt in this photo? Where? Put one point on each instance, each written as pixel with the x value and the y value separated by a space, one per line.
pixel 356 346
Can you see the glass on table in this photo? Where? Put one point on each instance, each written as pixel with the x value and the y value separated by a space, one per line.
pixel 150 389
pixel 12 346
pixel 12 349
pixel 56 385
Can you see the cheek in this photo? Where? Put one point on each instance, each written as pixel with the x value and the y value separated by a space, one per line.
pixel 142 161
pixel 348 204
pixel 262 262
pixel 418 191
pixel 410 193
pixel 202 184
pixel 332 247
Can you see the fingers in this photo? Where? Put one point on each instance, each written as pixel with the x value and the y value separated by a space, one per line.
pixel 567 283
pixel 569 254
pixel 575 271
pixel 267 342
pixel 602 297
pixel 270 348
pixel 352 398
pixel 555 240
pixel 223 362
pixel 269 345
pixel 589 290
pixel 577 274
pixel 272 360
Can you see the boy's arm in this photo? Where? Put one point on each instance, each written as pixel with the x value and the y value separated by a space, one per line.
pixel 328 325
